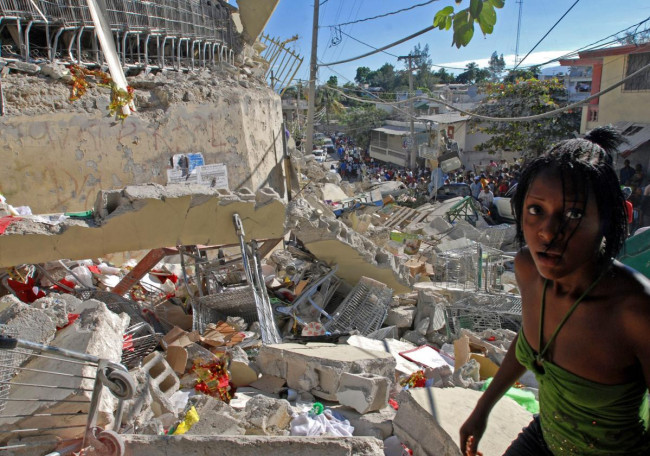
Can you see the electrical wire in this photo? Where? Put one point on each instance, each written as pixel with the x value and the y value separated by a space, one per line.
pixel 431 27
pixel 511 119
pixel 591 45
pixel 546 34
pixel 381 15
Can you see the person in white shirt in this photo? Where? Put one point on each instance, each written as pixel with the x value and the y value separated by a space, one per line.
pixel 486 197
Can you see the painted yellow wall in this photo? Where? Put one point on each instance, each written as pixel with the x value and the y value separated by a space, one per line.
pixel 619 105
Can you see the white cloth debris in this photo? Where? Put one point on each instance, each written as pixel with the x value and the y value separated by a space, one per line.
pixel 305 424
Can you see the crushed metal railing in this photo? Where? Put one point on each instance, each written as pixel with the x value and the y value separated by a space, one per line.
pixel 283 63
pixel 185 33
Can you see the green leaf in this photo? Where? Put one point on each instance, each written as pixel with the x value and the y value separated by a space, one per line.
pixel 448 23
pixel 463 35
pixel 486 28
pixel 497 3
pixel 488 15
pixel 460 19
pixel 442 15
pixel 475 7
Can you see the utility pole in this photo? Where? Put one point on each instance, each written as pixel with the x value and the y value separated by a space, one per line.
pixel 298 87
pixel 309 140
pixel 521 4
pixel 410 156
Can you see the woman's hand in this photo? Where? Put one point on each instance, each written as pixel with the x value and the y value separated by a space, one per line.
pixel 471 432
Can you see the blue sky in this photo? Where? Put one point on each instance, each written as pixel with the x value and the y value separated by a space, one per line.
pixel 587 22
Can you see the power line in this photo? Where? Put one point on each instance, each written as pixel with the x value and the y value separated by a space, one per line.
pixel 431 27
pixel 546 34
pixel 512 119
pixel 381 15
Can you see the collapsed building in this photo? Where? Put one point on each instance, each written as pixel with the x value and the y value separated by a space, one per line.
pixel 167 313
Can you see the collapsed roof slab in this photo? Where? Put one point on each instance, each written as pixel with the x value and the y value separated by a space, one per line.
pixel 146 217
pixel 333 242
pixel 251 445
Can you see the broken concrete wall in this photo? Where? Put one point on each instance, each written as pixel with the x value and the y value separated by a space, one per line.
pixel 97 332
pixel 333 242
pixel 252 446
pixel 63 153
pixel 146 217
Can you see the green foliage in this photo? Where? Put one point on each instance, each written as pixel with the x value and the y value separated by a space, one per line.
pixel 473 74
pixel 481 12
pixel 359 121
pixel 333 81
pixel 528 73
pixel 525 98
pixel 496 65
pixel 362 75
pixel 444 77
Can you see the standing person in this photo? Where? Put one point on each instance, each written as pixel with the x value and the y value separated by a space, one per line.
pixel 486 197
pixel 629 208
pixel 585 316
pixel 626 172
pixel 475 187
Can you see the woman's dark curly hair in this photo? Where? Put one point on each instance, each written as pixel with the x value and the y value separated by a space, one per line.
pixel 585 164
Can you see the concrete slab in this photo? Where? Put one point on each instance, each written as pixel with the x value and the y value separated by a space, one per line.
pixel 392 347
pixel 428 421
pixel 141 218
pixel 317 367
pixel 331 241
pixel 197 445
pixel 97 332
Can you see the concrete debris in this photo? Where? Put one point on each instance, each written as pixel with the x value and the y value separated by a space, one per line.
pixel 30 322
pixel 267 416
pixel 428 421
pixel 128 219
pixel 363 392
pixel 97 332
pixel 331 241
pixel 317 367
pixel 185 320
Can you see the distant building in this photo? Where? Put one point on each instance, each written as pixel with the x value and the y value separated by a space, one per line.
pixel 391 142
pixel 626 106
pixel 576 79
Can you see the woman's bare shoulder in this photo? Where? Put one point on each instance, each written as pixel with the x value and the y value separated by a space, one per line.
pixel 630 290
pixel 525 268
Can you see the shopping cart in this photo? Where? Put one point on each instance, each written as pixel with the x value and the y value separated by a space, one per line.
pixel 45 403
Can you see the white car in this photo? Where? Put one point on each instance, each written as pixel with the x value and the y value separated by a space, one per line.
pixel 320 155
pixel 501 209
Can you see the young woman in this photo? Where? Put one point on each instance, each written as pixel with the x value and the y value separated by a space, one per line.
pixel 586 317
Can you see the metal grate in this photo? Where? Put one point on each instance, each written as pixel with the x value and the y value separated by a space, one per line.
pixel 478 312
pixel 363 310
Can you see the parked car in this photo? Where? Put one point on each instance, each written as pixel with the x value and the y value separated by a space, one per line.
pixel 501 210
pixel 320 155
pixel 328 146
pixel 454 190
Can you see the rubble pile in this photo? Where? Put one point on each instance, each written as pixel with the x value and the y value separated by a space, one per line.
pixel 378 307
pixel 39 88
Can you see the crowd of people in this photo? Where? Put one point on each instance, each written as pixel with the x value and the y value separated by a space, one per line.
pixel 486 182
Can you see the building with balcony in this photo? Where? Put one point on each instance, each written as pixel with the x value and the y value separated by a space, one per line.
pixel 626 106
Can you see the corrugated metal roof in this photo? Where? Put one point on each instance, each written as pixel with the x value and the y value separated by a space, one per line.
pixel 397 131
pixel 446 118
pixel 636 133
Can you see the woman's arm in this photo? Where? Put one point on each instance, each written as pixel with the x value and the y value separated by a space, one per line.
pixel 509 371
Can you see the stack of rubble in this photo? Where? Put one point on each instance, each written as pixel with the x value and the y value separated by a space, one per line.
pixel 379 309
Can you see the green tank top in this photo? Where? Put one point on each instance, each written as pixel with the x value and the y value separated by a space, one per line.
pixel 579 416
